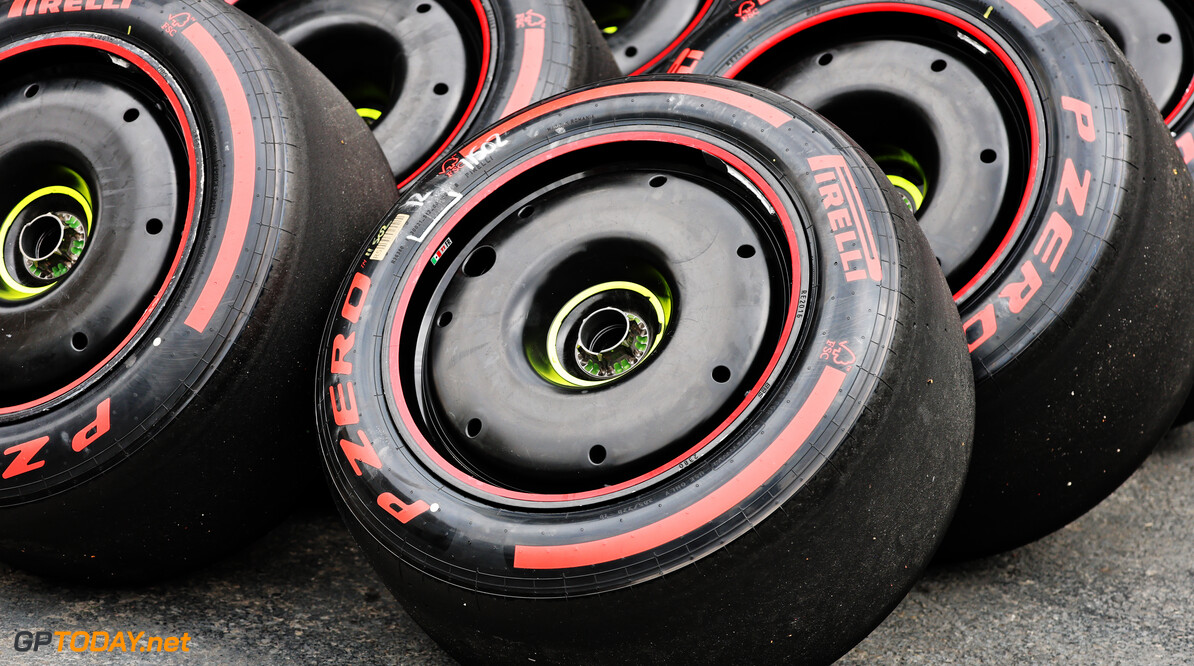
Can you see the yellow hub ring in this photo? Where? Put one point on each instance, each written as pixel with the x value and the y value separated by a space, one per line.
pixel 556 372
pixel 10 289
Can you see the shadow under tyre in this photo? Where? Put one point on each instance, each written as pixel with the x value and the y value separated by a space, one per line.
pixel 427 74
pixel 1056 204
pixel 174 182
pixel 666 359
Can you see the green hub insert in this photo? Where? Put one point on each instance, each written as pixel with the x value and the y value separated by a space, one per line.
pixel 43 237
pixel 620 325
pixel 905 172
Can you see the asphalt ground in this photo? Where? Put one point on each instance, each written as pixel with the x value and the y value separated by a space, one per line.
pixel 1115 587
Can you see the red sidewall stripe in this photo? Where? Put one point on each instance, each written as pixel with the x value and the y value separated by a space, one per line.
pixel 1181 105
pixel 472 105
pixel 973 31
pixel 185 126
pixel 703 511
pixel 244 161
pixel 773 116
pixel 696 20
pixel 466 207
pixel 533 41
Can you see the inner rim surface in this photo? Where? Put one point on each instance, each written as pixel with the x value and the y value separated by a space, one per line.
pixel 528 439
pixel 91 142
pixel 889 80
pixel 410 69
pixel 1156 36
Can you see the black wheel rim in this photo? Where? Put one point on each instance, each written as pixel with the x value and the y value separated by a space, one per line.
pixel 640 32
pixel 1157 36
pixel 413 71
pixel 966 170
pixel 579 233
pixel 96 189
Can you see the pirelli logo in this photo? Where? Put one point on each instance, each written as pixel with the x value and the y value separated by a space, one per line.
pixel 31 7
pixel 852 233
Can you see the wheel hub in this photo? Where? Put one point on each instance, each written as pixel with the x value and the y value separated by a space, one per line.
pixel 608 299
pixel 94 179
pixel 43 239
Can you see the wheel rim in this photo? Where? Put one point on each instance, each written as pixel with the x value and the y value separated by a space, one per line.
pixel 414 72
pixel 1156 36
pixel 642 32
pixel 98 186
pixel 980 159
pixel 464 425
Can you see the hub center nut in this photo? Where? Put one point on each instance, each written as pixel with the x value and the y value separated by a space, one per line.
pixel 610 342
pixel 51 244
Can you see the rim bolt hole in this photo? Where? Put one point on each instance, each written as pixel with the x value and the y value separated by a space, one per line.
pixel 153 227
pixel 526 211
pixel 938 66
pixel 444 319
pixel 597 454
pixel 479 261
pixel 131 115
pixel 825 59
pixel 988 156
pixel 721 374
pixel 746 251
pixel 658 181
pixel 1164 38
pixel 631 51
pixel 32 90
pixel 440 89
pixel 423 8
pixel 473 428
pixel 78 341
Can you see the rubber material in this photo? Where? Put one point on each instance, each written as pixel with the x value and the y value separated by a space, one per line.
pixel 836 476
pixel 1068 407
pixel 518 52
pixel 1157 37
pixel 188 440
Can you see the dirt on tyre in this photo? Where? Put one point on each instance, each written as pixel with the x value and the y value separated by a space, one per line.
pixel 427 74
pixel 166 231
pixel 692 378
pixel 1054 200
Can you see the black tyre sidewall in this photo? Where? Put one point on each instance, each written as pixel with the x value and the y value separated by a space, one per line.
pixel 444 551
pixel 187 469
pixel 1067 407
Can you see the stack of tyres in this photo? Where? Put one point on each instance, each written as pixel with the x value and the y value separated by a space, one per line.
pixel 428 74
pixel 674 361
pixel 1054 200
pixel 173 190
pixel 672 355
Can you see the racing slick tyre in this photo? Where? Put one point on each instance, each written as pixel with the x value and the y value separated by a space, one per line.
pixel 174 181
pixel 1157 36
pixel 642 32
pixel 1057 206
pixel 661 356
pixel 426 74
